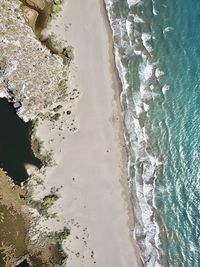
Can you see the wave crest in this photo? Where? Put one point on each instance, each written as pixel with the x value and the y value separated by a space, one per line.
pixel 137 96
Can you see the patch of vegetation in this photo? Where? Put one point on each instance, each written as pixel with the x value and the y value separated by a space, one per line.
pixel 34 126
pixel 57 108
pixel 58 2
pixel 46 157
pixel 55 117
pixel 49 200
pixel 37 145
pixel 56 9
pixel 68 54
pixel 62 85
pixel 56 6
pixel 43 205
pixel 62 235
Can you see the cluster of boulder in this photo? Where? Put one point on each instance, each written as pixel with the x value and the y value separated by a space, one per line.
pixel 33 8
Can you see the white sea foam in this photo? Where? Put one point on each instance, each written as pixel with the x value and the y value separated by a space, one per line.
pixel 129 29
pixel 137 19
pixel 158 73
pixel 146 107
pixel 122 70
pixel 151 87
pixel 148 71
pixel 146 37
pixel 138 109
pixel 145 71
pixel 154 10
pixel 165 88
pixel 137 52
pixel 145 134
pixel 3 94
pixel 167 29
pixel 144 163
pixel 133 2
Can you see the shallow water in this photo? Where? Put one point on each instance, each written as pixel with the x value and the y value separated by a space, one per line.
pixel 158 57
pixel 15 143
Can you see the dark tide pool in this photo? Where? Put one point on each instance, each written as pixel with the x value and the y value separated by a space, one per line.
pixel 15 143
pixel 23 264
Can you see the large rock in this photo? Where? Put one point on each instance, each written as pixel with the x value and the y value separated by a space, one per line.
pixel 40 4
pixel 30 16
pixel 29 73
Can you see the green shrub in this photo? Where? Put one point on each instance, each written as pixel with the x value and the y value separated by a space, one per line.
pixel 55 117
pixel 60 236
pixel 57 108
pixel 43 205
pixel 68 52
pixel 49 200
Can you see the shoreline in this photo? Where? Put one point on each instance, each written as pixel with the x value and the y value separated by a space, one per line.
pixel 106 142
pixel 117 87
pixel 123 133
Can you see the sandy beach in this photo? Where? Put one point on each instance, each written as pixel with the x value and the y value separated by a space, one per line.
pixel 91 169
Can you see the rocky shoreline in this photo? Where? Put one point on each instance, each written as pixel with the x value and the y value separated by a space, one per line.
pixel 33 77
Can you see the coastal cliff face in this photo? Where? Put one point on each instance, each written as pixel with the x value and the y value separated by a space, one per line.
pixel 34 79
pixel 30 75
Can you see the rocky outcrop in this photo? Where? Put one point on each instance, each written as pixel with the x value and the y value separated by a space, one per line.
pixel 40 4
pixel 30 16
pixel 29 73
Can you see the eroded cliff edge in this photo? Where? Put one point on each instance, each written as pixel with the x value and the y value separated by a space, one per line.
pixel 33 77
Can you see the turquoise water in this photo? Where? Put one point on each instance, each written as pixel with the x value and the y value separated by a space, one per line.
pixel 157 49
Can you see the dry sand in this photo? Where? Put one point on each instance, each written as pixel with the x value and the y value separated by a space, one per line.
pixel 91 159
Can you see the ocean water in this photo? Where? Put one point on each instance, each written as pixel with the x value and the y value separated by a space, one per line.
pixel 157 52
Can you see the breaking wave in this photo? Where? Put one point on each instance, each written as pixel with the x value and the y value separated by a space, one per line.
pixel 139 74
